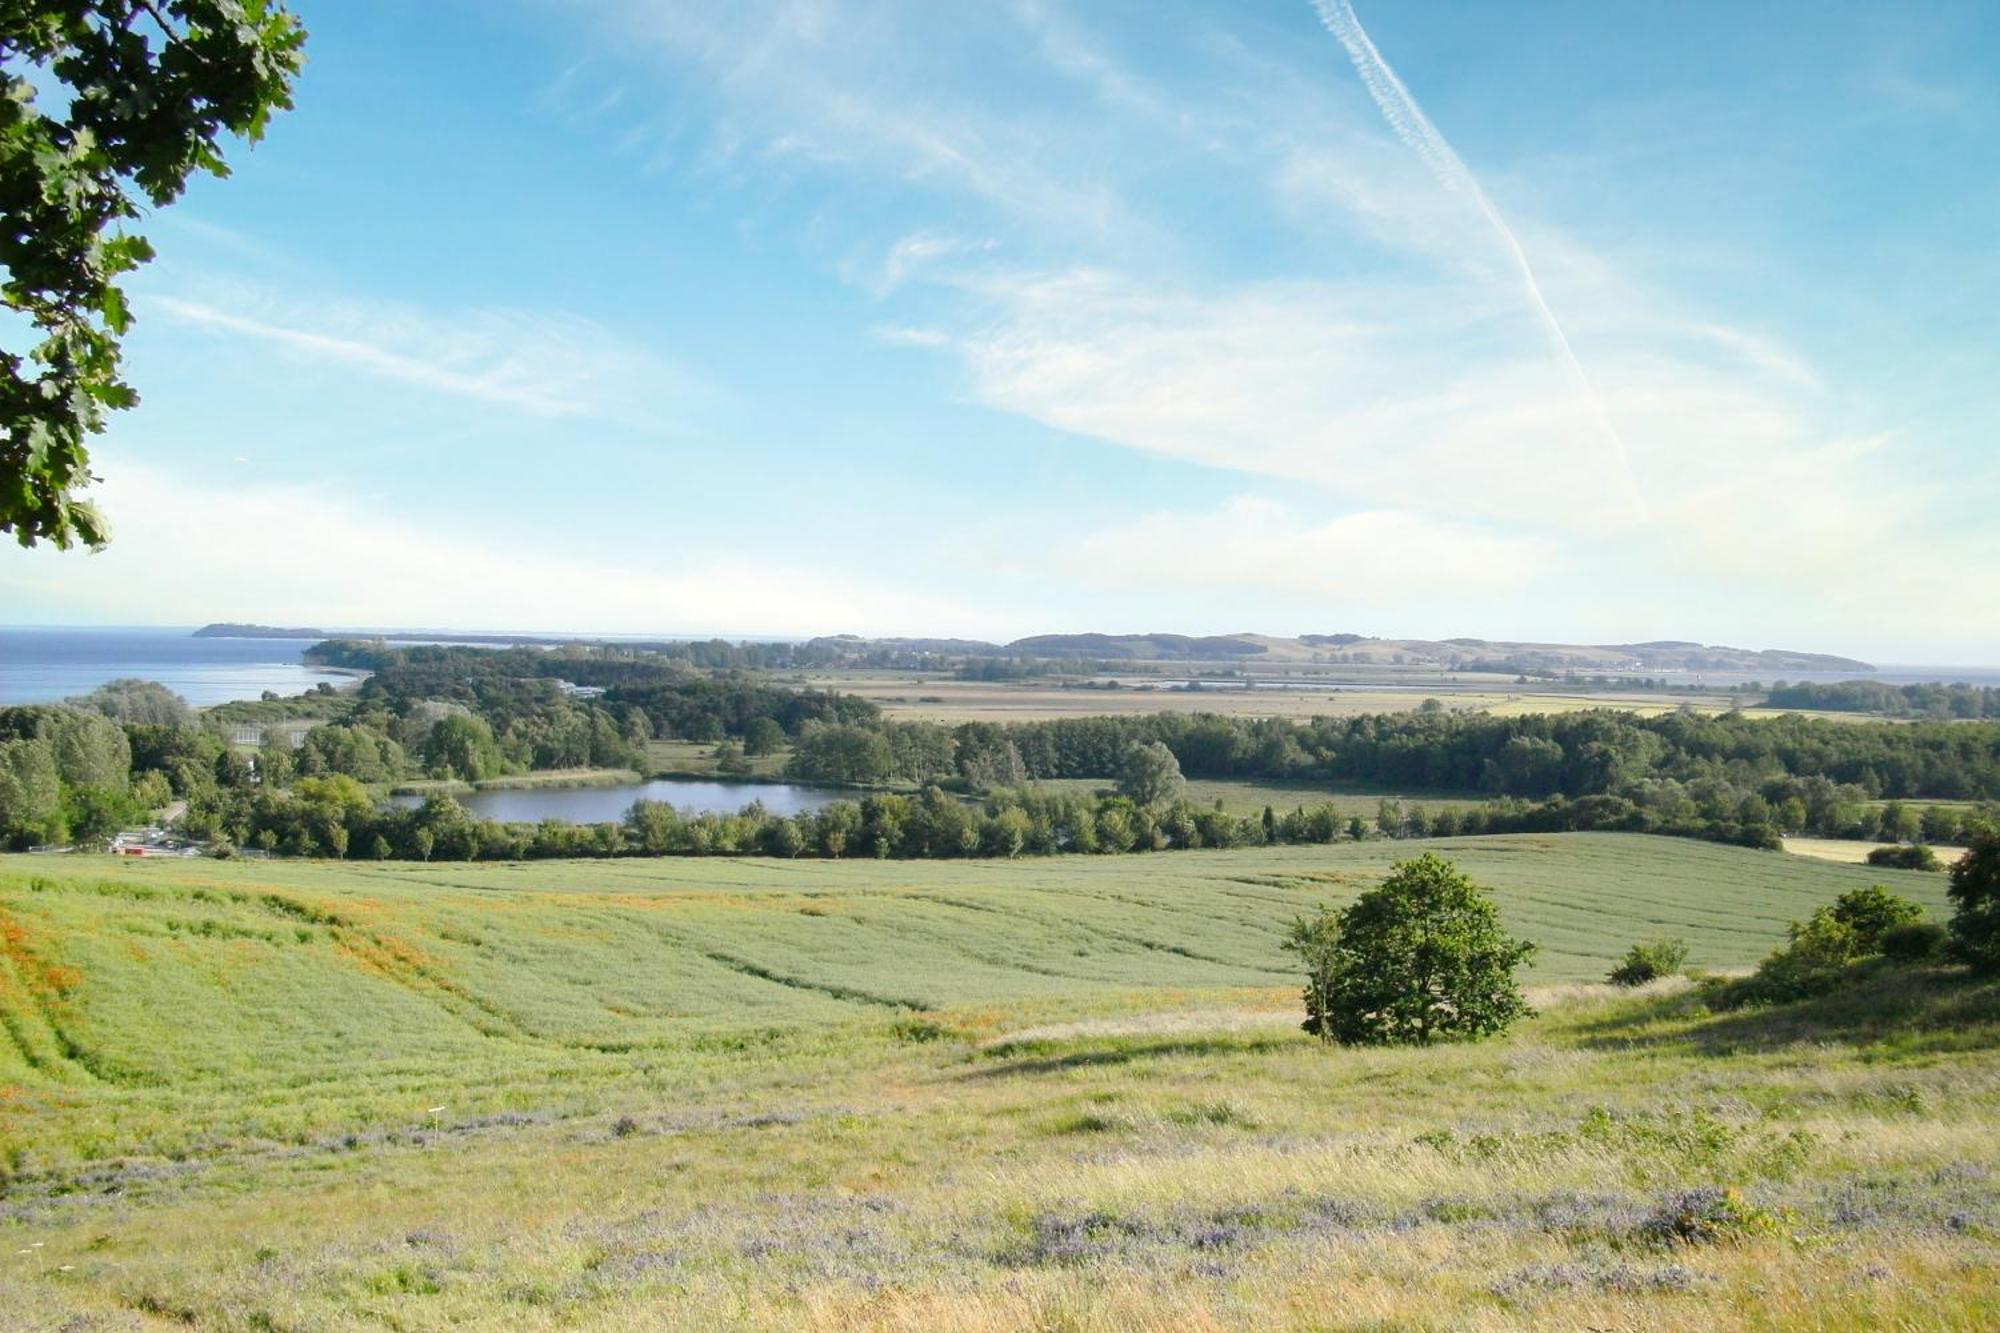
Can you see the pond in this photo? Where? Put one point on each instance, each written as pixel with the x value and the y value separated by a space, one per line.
pixel 606 805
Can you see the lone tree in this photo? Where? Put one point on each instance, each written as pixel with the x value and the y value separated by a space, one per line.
pixel 142 92
pixel 1975 898
pixel 1151 775
pixel 1420 959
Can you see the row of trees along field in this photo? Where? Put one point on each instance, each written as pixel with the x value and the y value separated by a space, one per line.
pixel 1147 811
pixel 516 694
pixel 1937 700
pixel 1729 778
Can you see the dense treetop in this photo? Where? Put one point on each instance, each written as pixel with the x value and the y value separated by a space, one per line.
pixel 106 106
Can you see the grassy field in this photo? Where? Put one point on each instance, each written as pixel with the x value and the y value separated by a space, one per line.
pixel 697 759
pixel 913 697
pixel 1246 796
pixel 541 779
pixel 1064 1093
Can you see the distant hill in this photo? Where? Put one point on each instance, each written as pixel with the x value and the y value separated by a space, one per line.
pixel 1459 654
pixel 1151 647
pixel 1455 654
pixel 230 630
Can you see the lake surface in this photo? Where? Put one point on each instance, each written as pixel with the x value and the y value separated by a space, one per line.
pixel 607 805
pixel 43 665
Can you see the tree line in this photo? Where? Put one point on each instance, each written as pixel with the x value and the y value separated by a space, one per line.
pixel 1934 700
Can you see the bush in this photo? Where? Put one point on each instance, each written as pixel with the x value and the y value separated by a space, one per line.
pixel 1819 950
pixel 1872 912
pixel 1905 856
pixel 1420 959
pixel 1650 962
pixel 1823 946
pixel 1706 1217
pixel 1914 941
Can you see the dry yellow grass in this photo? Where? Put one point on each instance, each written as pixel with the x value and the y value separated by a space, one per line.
pixel 952 701
pixel 1850 851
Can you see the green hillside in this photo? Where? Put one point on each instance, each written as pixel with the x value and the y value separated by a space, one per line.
pixel 137 990
pixel 1066 1093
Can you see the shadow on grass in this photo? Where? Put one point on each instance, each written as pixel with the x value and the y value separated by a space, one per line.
pixel 1049 1058
pixel 1896 1009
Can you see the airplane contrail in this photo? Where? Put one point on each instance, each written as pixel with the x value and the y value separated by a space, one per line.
pixel 1415 129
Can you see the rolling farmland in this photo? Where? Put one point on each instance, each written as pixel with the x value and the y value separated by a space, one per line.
pixel 1068 1092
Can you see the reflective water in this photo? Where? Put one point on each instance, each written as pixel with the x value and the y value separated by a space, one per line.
pixel 43 665
pixel 604 805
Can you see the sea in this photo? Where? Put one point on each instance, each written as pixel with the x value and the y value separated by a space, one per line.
pixel 43 664
pixel 40 665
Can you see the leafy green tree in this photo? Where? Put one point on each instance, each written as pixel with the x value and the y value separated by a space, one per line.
pixel 653 827
pixel 854 755
pixel 1007 832
pixel 1975 898
pixel 837 827
pixel 1940 823
pixel 94 815
pixel 152 792
pixel 1899 823
pixel 762 736
pixel 30 792
pixel 276 765
pixel 1150 775
pixel 1316 940
pixel 1419 959
pixel 987 759
pixel 139 94
pixel 132 702
pixel 781 837
pixel 730 760
pixel 460 747
pixel 1526 766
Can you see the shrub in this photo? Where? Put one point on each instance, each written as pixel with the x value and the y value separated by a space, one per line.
pixel 1871 912
pixel 1421 958
pixel 1905 856
pixel 1819 950
pixel 1707 1216
pixel 918 1028
pixel 1914 941
pixel 1650 962
pixel 1823 946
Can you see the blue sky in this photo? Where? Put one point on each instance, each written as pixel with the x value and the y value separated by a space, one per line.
pixel 1551 320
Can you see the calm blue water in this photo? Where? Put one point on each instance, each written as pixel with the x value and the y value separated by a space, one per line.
pixel 40 665
pixel 606 805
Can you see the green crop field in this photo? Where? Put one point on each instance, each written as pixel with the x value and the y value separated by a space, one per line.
pixel 1249 796
pixel 1060 1093
pixel 697 759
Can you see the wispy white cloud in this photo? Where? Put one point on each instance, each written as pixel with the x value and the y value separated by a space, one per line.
pixel 911 256
pixel 1367 559
pixel 547 364
pixel 869 88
